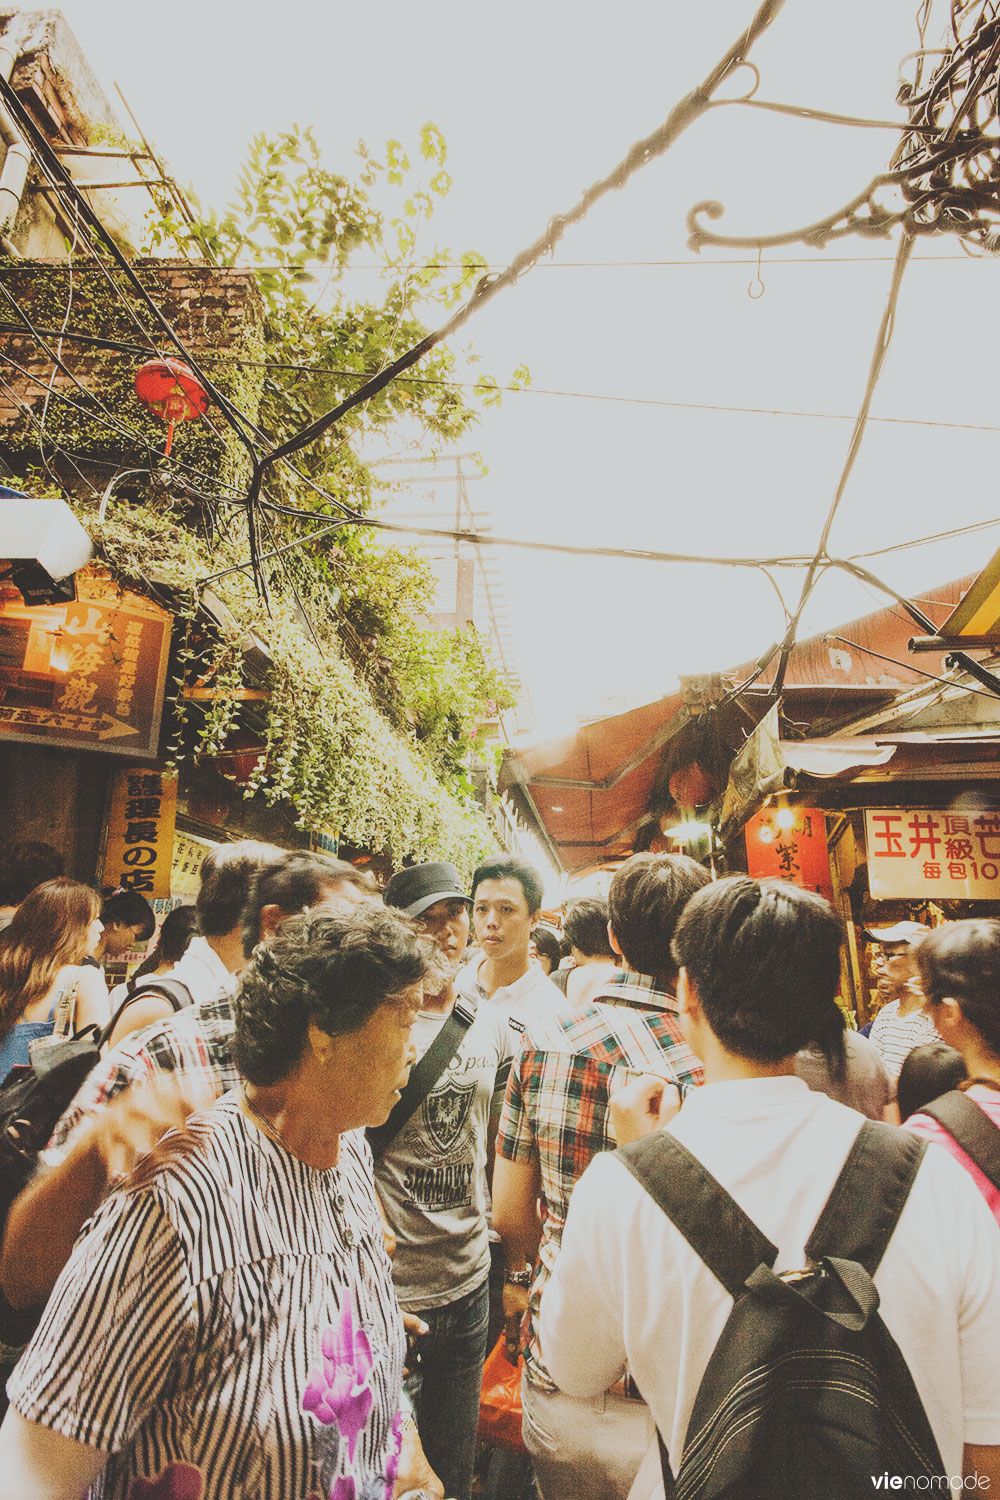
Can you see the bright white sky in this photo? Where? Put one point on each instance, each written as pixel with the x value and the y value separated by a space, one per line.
pixel 536 100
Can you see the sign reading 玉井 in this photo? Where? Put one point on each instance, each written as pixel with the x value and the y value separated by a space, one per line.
pixel 943 855
pixel 140 846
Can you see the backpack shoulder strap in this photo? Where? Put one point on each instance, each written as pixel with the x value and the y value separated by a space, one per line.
pixel 64 1010
pixel 714 1225
pixel 867 1198
pixel 174 990
pixel 972 1129
pixel 424 1075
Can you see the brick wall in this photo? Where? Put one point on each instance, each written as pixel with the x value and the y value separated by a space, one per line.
pixel 93 421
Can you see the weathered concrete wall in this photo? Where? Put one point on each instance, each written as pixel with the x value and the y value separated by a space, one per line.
pixel 56 85
pixel 57 797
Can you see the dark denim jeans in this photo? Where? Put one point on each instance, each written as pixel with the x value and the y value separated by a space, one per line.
pixel 444 1387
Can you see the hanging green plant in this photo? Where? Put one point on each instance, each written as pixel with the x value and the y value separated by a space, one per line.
pixel 327 748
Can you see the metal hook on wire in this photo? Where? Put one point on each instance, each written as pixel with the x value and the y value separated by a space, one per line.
pixel 755 296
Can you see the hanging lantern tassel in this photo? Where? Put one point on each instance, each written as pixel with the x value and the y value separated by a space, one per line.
pixel 171 391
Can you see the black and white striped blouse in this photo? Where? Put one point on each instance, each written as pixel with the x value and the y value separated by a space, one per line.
pixel 229 1322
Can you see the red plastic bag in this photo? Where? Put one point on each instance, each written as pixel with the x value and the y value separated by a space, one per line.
pixel 500 1400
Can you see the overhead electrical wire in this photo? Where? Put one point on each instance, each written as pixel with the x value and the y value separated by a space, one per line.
pixel 61 180
pixel 958 658
pixel 116 424
pixel 923 541
pixel 907 666
pixel 149 344
pixel 882 342
pixel 627 554
pixel 680 118
pixel 54 447
pixel 526 390
pixel 107 421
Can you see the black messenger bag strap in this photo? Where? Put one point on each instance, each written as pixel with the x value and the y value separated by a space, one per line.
pixel 867 1198
pixel 972 1128
pixel 712 1222
pixel 424 1075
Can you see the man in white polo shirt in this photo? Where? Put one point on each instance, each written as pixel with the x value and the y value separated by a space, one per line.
pixel 759 970
pixel 506 901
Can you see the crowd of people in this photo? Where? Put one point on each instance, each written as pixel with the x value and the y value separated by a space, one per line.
pixel 340 1142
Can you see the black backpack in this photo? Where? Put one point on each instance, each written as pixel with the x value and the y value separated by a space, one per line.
pixel 32 1101
pixel 972 1129
pixel 33 1098
pixel 806 1393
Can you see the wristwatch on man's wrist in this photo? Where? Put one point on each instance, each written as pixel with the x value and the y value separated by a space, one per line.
pixel 519 1278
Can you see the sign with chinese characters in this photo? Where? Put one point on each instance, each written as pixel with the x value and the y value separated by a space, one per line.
pixel 789 843
pixel 87 675
pixel 185 874
pixel 140 847
pixel 324 840
pixel 944 855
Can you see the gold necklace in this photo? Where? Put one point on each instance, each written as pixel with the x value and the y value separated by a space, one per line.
pixel 267 1126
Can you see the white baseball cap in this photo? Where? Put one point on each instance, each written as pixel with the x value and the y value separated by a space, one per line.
pixel 903 932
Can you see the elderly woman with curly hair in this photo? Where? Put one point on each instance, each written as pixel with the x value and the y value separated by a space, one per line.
pixel 226 1325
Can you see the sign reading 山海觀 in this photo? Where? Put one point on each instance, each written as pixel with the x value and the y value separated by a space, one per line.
pixel 924 853
pixel 86 675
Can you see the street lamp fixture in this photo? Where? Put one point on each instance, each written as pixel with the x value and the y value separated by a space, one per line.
pixel 42 545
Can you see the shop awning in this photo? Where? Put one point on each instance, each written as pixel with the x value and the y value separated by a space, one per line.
pixel 768 764
pixel 821 771
pixel 588 793
pixel 979 612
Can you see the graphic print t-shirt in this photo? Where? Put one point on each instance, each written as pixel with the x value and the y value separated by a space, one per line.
pixel 432 1178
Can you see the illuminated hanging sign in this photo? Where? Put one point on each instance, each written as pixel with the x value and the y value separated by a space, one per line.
pixel 789 843
pixel 140 847
pixel 923 853
pixel 87 675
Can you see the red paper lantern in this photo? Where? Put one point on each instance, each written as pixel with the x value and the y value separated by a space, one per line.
pixel 171 391
pixel 691 785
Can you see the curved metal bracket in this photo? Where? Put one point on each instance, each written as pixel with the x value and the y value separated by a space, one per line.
pixel 945 173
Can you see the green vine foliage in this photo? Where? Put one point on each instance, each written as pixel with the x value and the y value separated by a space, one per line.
pixel 374 718
pixel 298 225
pixel 326 747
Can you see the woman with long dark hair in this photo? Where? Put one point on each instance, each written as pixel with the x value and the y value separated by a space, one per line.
pixel 50 934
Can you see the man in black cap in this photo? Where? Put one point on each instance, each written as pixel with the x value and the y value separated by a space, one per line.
pixel 430 1169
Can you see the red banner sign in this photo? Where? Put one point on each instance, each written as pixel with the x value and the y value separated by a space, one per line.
pixel 789 843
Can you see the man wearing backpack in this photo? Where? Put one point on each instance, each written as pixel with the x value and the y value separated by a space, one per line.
pixel 737 1376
